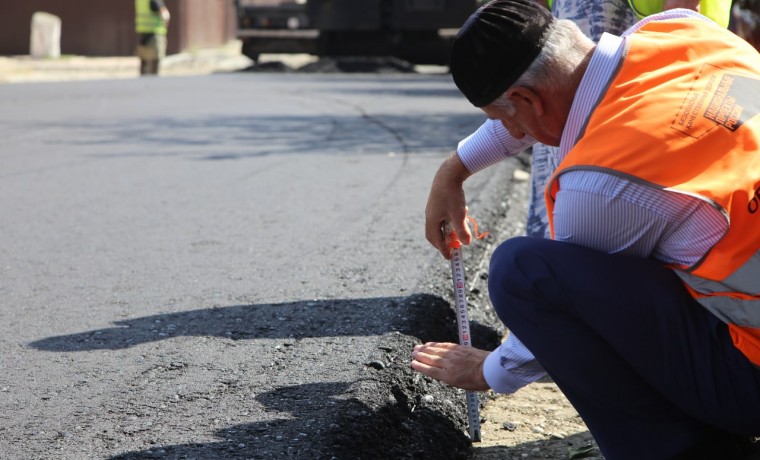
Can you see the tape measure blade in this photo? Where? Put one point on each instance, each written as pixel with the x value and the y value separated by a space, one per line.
pixel 463 323
pixel 473 413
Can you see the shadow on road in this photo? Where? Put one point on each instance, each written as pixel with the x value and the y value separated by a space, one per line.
pixel 400 429
pixel 354 430
pixel 390 411
pixel 423 316
pixel 227 137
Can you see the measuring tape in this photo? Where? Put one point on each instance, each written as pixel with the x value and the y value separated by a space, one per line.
pixel 463 322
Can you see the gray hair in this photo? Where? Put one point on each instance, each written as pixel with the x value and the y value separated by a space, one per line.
pixel 554 65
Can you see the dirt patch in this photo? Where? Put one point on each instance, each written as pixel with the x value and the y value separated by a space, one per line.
pixel 537 422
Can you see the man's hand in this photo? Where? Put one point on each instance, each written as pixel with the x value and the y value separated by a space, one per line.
pixel 454 364
pixel 446 203
pixel 165 15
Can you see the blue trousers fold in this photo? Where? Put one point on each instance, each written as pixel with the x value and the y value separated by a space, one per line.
pixel 650 371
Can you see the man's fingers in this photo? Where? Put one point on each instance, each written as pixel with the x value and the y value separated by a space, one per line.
pixel 425 368
pixel 442 243
pixel 433 354
pixel 451 363
pixel 429 359
pixel 436 236
pixel 435 347
pixel 463 230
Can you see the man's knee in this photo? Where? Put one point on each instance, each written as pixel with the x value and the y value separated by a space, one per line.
pixel 516 255
pixel 513 270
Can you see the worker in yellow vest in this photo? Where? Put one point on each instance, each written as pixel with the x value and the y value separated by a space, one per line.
pixel 151 23
pixel 717 10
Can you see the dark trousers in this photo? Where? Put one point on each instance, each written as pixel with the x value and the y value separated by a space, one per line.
pixel 652 373
pixel 151 49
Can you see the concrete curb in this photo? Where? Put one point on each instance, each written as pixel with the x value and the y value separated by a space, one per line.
pixel 25 69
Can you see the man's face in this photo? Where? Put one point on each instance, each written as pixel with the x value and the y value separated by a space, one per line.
pixel 511 123
pixel 529 119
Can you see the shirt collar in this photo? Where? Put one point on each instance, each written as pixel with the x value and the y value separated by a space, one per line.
pixel 603 65
pixel 604 62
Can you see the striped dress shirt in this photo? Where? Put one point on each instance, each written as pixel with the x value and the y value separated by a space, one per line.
pixel 594 209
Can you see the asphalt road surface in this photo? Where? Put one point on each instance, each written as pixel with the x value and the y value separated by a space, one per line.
pixel 231 266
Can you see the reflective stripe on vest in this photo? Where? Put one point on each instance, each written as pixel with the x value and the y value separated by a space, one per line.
pixel 148 21
pixel 735 310
pixel 681 115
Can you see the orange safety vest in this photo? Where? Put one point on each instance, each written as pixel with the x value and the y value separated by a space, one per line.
pixel 681 116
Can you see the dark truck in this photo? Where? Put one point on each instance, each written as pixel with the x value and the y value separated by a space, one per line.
pixel 417 31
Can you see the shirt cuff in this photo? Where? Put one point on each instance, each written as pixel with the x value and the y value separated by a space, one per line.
pixel 511 367
pixel 490 144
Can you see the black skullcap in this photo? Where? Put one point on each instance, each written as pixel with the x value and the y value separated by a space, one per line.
pixel 495 46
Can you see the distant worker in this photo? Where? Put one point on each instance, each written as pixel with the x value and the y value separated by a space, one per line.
pixel 717 10
pixel 151 23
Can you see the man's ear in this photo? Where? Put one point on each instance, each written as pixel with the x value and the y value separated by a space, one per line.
pixel 526 98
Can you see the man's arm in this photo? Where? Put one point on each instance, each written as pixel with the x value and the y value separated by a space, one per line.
pixel 489 145
pixel 164 11
pixel 446 203
pixel 160 7
pixel 454 364
pixel 505 370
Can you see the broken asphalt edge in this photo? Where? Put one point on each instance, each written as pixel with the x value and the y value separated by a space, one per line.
pixel 418 416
